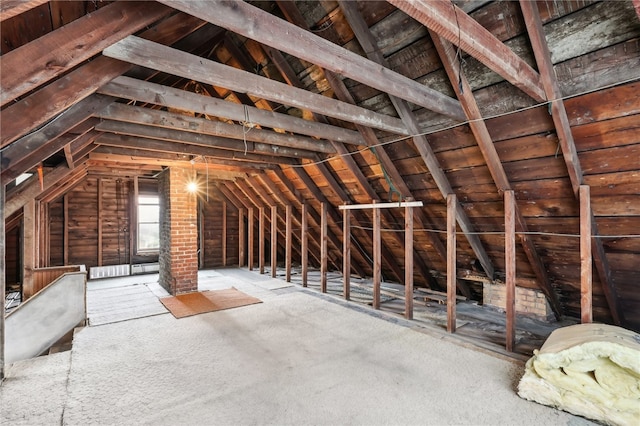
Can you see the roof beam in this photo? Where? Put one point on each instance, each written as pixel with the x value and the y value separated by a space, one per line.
pixel 166 59
pixel 169 120
pixel 20 195
pixel 157 94
pixel 252 22
pixel 172 146
pixel 11 8
pixel 369 45
pixel 567 144
pixel 35 147
pixel 46 103
pixel 454 25
pixel 200 139
pixel 58 51
pixel 487 148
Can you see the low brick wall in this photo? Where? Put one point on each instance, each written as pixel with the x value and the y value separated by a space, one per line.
pixel 528 301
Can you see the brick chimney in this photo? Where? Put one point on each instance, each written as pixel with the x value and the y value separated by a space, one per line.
pixel 178 232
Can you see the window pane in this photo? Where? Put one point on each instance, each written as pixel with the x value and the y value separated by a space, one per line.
pixel 148 214
pixel 148 199
pixel 148 236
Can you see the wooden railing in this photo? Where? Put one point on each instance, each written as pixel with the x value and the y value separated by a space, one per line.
pixel 42 277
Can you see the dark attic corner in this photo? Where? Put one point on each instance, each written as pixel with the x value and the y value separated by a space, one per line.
pixel 457 177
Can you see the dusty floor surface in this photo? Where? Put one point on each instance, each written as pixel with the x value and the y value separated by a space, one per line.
pixel 294 359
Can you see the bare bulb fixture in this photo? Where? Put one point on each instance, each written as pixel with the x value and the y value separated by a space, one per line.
pixel 192 187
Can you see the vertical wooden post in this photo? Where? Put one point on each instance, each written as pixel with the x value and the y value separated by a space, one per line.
pixel 133 221
pixel 510 266
pixel 323 248
pixel 452 205
pixel 274 240
pixel 224 233
pixel 305 245
pixel 346 253
pixel 100 219
pixel 241 237
pixel 586 263
pixel 65 232
pixel 289 241
pixel 29 240
pixel 408 262
pixel 377 258
pixel 261 239
pixel 3 242
pixel 250 242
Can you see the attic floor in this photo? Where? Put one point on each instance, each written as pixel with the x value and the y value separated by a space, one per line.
pixel 296 358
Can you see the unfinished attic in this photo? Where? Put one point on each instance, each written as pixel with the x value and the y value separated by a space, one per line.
pixel 463 156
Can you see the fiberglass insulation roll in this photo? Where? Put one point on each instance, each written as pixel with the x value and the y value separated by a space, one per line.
pixel 592 370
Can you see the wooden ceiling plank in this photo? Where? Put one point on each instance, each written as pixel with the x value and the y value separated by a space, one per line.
pixel 163 58
pixel 479 129
pixel 568 147
pixel 362 32
pixel 453 24
pixel 199 139
pixel 36 63
pixel 190 150
pixel 39 145
pixel 143 91
pixel 11 8
pixel 152 117
pixel 241 18
pixel 46 103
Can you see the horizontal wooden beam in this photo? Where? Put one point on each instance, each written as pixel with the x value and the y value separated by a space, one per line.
pixel 35 63
pixel 11 8
pixel 163 58
pixel 380 205
pixel 252 22
pixel 143 91
pixel 453 24
pixel 182 122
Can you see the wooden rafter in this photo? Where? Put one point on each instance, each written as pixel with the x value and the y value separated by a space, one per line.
pixel 241 18
pixel 56 52
pixel 11 8
pixel 164 119
pixel 369 45
pixel 163 58
pixel 487 148
pixel 453 24
pixel 31 189
pixel 568 147
pixel 157 94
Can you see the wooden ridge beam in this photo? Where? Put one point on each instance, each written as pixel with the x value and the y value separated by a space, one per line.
pixel 58 51
pixel 46 103
pixel 163 58
pixel 568 147
pixel 201 139
pixel 453 24
pixel 487 148
pixel 142 91
pixel 242 18
pixel 369 44
pixel 175 121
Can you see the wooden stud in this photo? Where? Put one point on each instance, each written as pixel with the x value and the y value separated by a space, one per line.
pixel 65 232
pixel 323 248
pixel 452 205
pixel 241 242
pixel 346 253
pixel 224 233
pixel 305 244
pixel 250 237
pixel 586 262
pixel 288 244
pixel 510 266
pixel 133 236
pixel 377 258
pixel 274 240
pixel 261 239
pixel 29 241
pixel 408 262
pixel 100 219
